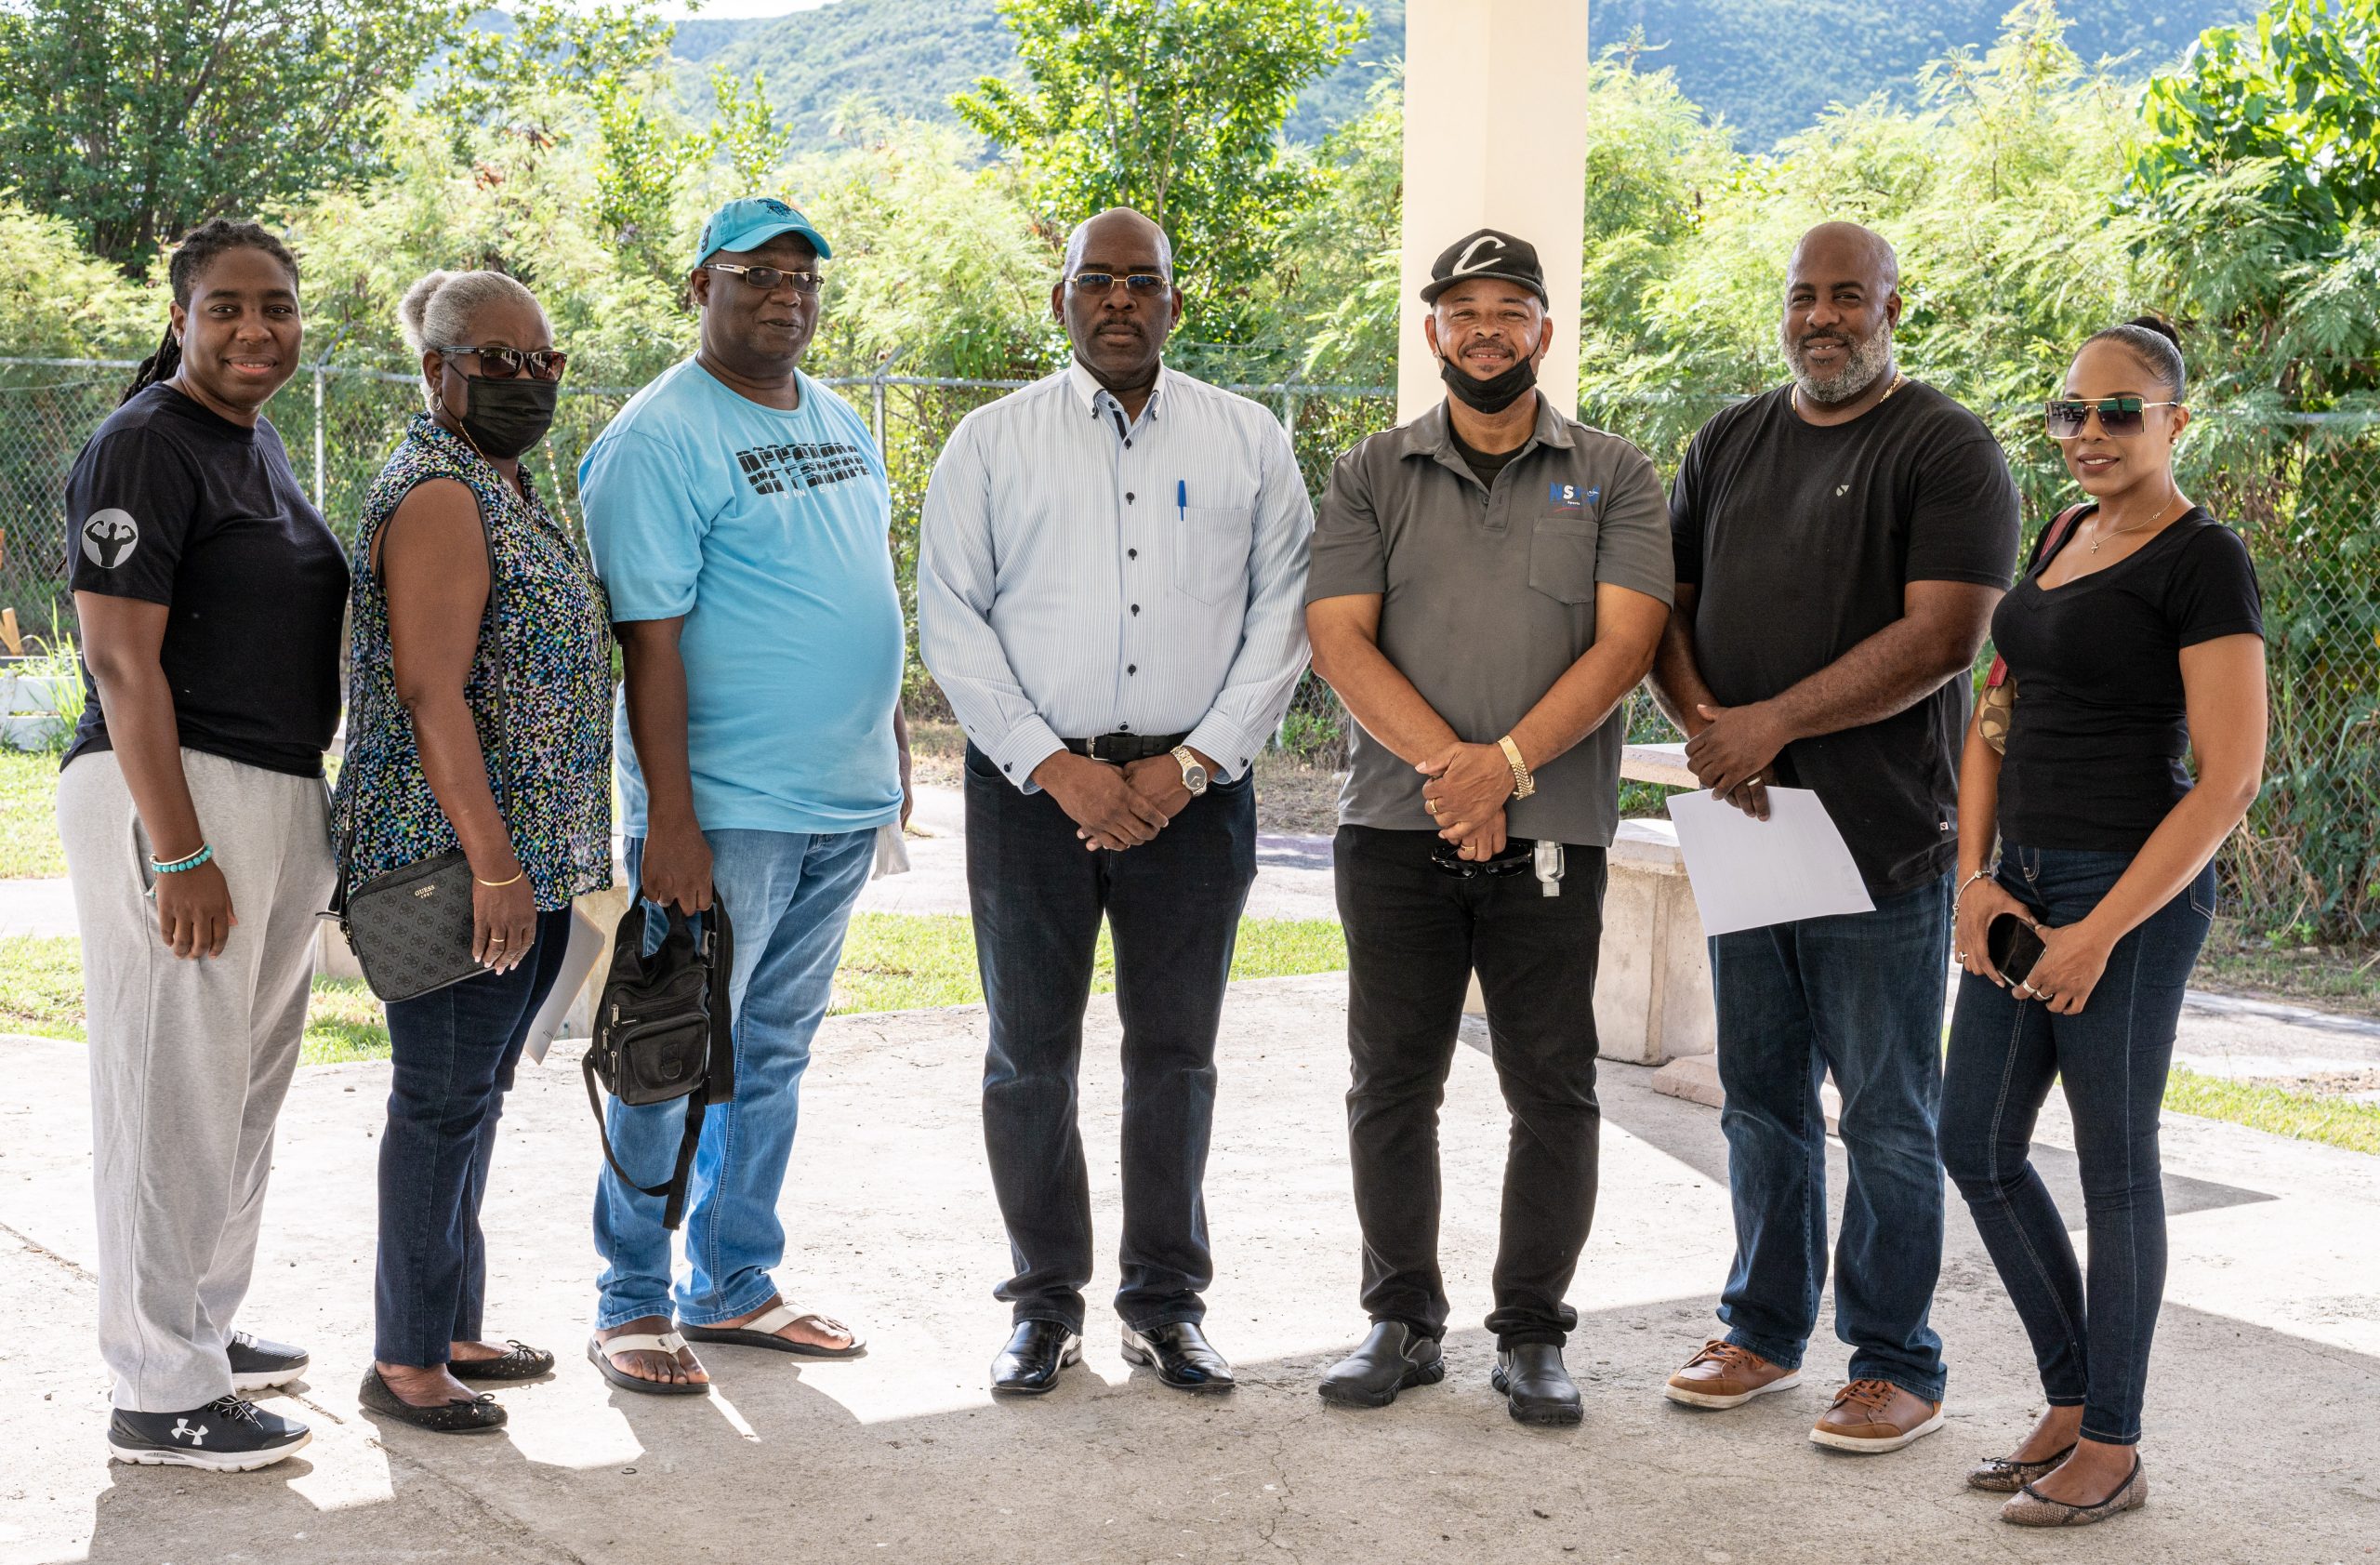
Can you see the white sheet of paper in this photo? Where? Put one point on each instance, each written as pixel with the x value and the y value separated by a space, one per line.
pixel 1748 873
pixel 892 852
pixel 578 963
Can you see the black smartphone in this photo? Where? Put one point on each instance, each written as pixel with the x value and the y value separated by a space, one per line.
pixel 2013 946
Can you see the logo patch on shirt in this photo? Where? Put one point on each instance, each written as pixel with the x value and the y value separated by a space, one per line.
pixel 1569 496
pixel 771 469
pixel 110 537
pixel 1841 490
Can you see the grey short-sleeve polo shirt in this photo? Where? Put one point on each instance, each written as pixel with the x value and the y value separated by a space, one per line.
pixel 1488 596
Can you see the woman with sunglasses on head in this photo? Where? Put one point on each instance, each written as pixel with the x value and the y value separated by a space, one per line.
pixel 208 593
pixel 479 716
pixel 2133 644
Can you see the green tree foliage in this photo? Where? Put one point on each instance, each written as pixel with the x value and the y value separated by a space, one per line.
pixel 135 121
pixel 1173 107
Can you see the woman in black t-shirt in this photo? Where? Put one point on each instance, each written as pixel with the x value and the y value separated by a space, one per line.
pixel 2134 641
pixel 210 597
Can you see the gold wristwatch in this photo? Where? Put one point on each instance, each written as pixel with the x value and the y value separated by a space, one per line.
pixel 1523 784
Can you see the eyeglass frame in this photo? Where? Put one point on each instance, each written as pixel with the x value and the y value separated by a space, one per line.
pixel 816 285
pixel 1080 282
pixel 556 356
pixel 2101 407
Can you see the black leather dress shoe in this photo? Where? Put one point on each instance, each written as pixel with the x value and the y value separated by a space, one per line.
pixel 1035 1354
pixel 1532 1375
pixel 1180 1356
pixel 1394 1357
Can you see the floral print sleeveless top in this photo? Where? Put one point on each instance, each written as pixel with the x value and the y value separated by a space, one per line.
pixel 549 746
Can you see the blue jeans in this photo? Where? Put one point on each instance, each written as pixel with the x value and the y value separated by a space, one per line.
pixel 789 895
pixel 1173 906
pixel 451 1054
pixel 2091 1340
pixel 1860 995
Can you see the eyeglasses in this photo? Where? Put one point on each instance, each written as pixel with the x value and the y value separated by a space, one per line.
pixel 2117 416
pixel 769 279
pixel 1144 284
pixel 504 363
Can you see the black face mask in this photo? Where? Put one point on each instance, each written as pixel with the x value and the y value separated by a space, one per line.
pixel 1492 395
pixel 506 417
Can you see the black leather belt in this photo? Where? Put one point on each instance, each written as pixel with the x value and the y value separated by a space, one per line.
pixel 1123 749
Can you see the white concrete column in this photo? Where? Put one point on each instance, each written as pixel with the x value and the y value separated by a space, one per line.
pixel 1495 137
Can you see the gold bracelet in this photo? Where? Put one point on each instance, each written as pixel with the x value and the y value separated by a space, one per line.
pixel 494 884
pixel 1523 784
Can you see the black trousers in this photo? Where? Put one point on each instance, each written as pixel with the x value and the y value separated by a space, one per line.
pixel 1172 907
pixel 1415 933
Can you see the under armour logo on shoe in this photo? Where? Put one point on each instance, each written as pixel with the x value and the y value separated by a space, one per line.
pixel 182 1431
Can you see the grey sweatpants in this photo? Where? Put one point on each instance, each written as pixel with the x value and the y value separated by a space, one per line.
pixel 190 1059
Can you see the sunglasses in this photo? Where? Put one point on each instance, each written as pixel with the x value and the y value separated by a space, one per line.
pixel 1147 285
pixel 769 279
pixel 504 363
pixel 2117 416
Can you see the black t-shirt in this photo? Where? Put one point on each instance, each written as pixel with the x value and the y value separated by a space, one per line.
pixel 2101 726
pixel 173 504
pixel 1484 465
pixel 1800 539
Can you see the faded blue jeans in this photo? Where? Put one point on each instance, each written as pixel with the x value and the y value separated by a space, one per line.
pixel 789 895
pixel 1860 994
pixel 2089 1339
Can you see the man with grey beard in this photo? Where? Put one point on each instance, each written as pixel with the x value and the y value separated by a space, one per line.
pixel 1841 542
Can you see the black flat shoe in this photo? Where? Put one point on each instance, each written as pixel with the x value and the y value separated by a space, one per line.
pixel 468 1415
pixel 524 1363
pixel 258 1365
pixel 1392 1358
pixel 1181 1355
pixel 1036 1352
pixel 1531 1376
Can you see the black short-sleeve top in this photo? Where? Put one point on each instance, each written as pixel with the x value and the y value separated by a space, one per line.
pixel 171 503
pixel 2100 733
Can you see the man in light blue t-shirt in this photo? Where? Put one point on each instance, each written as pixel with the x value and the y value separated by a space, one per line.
pixel 738 514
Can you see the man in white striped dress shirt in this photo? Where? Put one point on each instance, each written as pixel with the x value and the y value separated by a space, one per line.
pixel 1110 579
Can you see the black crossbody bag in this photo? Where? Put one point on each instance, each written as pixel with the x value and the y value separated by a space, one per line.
pixel 664 1031
pixel 411 927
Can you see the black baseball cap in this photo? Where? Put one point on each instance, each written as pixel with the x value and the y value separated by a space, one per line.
pixel 1486 253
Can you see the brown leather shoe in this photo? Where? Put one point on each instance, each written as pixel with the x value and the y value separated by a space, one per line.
pixel 1724 1375
pixel 1874 1416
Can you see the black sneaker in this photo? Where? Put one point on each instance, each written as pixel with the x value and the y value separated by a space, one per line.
pixel 257 1365
pixel 228 1434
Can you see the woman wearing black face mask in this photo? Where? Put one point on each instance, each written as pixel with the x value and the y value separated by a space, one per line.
pixel 478 716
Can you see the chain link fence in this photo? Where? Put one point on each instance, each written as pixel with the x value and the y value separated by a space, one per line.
pixel 2303 488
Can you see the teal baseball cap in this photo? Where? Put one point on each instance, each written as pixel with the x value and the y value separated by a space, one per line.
pixel 754 220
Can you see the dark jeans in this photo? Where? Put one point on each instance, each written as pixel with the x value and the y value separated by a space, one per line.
pixel 2091 1340
pixel 1860 994
pixel 1415 933
pixel 1172 907
pixel 451 1054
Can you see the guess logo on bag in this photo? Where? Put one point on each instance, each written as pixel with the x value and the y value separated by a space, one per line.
pixel 427 890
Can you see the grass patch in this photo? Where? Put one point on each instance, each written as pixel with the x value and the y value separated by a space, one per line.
pixel 2326 977
pixel 41 993
pixel 2335 1121
pixel 904 961
pixel 29 845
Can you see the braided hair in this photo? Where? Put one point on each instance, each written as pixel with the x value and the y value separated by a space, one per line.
pixel 198 248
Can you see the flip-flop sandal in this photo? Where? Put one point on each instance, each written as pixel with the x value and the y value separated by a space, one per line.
pixel 761 1332
pixel 599 1351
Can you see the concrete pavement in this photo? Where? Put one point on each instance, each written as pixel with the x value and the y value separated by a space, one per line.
pixel 2262 1442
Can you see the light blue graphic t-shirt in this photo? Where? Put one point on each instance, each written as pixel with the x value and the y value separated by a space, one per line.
pixel 766 530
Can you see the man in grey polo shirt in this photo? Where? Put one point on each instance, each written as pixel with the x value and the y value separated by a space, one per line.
pixel 1489 583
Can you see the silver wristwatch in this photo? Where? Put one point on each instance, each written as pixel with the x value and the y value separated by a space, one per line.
pixel 1194 776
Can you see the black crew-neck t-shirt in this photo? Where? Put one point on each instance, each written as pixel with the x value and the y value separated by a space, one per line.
pixel 1800 540
pixel 1484 465
pixel 173 504
pixel 2101 726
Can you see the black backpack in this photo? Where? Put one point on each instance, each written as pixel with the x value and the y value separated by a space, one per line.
pixel 664 1031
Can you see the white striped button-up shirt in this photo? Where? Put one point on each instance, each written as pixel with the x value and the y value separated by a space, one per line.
pixel 1082 573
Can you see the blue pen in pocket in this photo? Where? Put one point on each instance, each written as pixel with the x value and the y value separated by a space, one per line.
pixel 1181 499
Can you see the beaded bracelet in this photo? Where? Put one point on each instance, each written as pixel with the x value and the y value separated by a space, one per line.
pixel 205 854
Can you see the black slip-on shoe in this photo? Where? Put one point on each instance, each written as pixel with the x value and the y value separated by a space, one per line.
pixel 1181 1355
pixel 1036 1350
pixel 1538 1388
pixel 259 1364
pixel 1394 1357
pixel 520 1361
pixel 229 1435
pixel 464 1415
